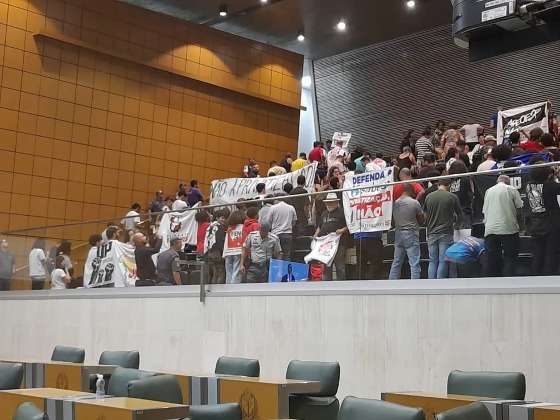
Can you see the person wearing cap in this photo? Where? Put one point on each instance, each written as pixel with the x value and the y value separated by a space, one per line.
pixel 333 221
pixel 259 248
pixel 168 270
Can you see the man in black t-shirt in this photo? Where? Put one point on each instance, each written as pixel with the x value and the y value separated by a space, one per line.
pixel 145 268
pixel 333 221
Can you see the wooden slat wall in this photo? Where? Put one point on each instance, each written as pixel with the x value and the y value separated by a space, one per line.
pixel 378 92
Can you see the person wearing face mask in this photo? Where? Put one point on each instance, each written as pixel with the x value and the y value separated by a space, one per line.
pixel 333 221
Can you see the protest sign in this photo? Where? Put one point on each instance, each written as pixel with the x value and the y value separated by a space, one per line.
pixel 229 191
pixel 323 249
pixel 369 209
pixel 522 118
pixel 113 263
pixel 345 137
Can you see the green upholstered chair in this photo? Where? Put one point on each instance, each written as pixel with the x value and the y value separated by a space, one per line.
pixel 363 409
pixel 118 384
pixel 28 411
pixel 230 411
pixel 11 375
pixel 164 388
pixel 323 404
pixel 238 366
pixel 68 354
pixel 125 359
pixel 505 385
pixel 474 411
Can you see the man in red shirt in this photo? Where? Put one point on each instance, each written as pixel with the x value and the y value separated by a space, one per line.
pixel 406 175
pixel 317 152
pixel 534 142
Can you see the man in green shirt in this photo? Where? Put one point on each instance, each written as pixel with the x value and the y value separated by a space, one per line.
pixel 442 209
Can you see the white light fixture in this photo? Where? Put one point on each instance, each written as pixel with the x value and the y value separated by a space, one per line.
pixel 306 82
pixel 264 1
pixel 223 10
pixel 301 37
pixel 411 4
pixel 341 25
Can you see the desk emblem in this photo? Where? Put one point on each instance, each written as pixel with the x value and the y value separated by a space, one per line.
pixel 62 381
pixel 249 406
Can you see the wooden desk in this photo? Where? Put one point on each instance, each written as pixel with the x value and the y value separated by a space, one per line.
pixel 62 375
pixel 259 397
pixel 263 398
pixel 11 399
pixel 74 405
pixel 534 410
pixel 431 404
pixel 128 409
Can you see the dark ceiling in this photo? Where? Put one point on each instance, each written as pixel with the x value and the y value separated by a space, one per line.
pixel 279 21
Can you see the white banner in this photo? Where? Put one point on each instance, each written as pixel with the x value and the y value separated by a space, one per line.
pixel 228 191
pixel 112 263
pixel 323 249
pixel 369 209
pixel 178 224
pixel 522 118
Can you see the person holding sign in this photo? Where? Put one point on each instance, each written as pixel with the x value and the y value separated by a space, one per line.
pixel 333 221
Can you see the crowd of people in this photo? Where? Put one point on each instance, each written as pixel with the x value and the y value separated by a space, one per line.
pixel 237 242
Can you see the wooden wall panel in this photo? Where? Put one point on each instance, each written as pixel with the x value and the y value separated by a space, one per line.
pixel 84 134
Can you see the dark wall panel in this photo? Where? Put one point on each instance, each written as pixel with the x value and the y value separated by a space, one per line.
pixel 380 91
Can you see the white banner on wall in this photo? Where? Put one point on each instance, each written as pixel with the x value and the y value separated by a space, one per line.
pixel 522 118
pixel 112 263
pixel 369 209
pixel 229 191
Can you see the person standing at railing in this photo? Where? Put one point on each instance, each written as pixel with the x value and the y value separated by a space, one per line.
pixel 259 248
pixel 214 247
pixel 60 278
pixel 145 268
pixel 7 266
pixel 442 210
pixel 407 218
pixel 232 247
pixel 283 218
pixel 333 221
pixel 501 227
pixel 38 265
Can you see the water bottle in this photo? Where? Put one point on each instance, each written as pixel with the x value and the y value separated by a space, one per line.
pixel 100 387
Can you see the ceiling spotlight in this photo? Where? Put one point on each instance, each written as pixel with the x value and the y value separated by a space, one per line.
pixel 341 25
pixel 306 82
pixel 264 1
pixel 301 37
pixel 223 10
pixel 411 4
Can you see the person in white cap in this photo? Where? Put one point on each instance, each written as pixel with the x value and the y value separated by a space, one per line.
pixel 333 220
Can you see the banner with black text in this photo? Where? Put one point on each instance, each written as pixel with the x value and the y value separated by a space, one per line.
pixel 522 118
pixel 112 263
pixel 229 191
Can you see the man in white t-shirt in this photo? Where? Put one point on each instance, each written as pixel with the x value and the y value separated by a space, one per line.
pixel 132 218
pixel 180 203
pixel 38 265
pixel 470 132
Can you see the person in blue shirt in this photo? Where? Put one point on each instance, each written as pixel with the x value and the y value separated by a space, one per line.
pixel 466 258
